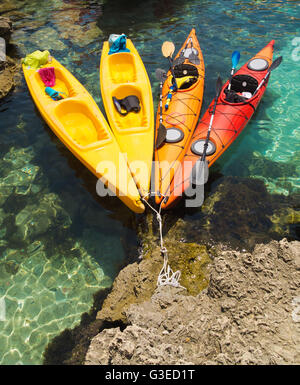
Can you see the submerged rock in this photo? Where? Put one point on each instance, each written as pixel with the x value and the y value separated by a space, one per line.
pixel 7 76
pixel 47 38
pixel 240 212
pixel 8 67
pixel 5 192
pixel 9 5
pixel 246 316
pixel 5 27
pixel 80 35
pixel 283 218
pixel 37 219
pixel 18 174
pixel 18 157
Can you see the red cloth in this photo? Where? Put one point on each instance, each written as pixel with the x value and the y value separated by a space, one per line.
pixel 47 74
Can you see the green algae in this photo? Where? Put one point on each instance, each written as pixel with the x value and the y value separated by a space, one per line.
pixel 192 260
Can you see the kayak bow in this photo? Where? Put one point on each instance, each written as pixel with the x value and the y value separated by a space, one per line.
pixel 234 109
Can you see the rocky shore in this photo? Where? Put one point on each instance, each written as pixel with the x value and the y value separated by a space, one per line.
pixel 9 66
pixel 249 313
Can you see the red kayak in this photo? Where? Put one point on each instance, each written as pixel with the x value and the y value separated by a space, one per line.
pixel 233 111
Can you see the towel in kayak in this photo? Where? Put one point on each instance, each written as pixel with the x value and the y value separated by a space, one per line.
pixel 47 74
pixel 118 44
pixel 36 59
pixel 54 95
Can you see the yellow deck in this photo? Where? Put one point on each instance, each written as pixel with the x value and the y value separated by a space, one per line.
pixel 80 125
pixel 123 74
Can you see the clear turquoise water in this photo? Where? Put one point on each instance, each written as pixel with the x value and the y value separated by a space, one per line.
pixel 59 242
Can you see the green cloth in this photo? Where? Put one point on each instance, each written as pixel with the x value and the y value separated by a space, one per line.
pixel 36 59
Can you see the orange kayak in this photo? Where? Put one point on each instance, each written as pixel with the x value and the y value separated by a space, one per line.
pixel 230 118
pixel 180 112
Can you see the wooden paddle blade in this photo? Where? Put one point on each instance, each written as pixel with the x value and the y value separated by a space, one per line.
pixel 161 135
pixel 200 173
pixel 168 49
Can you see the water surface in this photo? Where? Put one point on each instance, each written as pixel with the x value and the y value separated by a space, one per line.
pixel 59 242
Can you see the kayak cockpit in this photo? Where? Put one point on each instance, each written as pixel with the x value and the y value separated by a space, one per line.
pixel 66 103
pixel 186 75
pixel 80 123
pixel 242 89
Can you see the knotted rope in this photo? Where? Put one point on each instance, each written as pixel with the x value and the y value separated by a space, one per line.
pixel 166 275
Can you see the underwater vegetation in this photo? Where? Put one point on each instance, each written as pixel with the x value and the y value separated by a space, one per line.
pixel 59 242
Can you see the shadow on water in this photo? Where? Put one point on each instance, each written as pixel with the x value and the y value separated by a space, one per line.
pixel 238 212
pixel 90 213
pixel 93 218
pixel 70 346
pixel 136 15
pixel 86 179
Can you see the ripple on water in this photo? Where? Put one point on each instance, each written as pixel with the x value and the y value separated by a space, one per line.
pixel 58 245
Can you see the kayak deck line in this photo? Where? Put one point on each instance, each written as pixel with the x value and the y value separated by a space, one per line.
pixel 229 121
pixel 182 113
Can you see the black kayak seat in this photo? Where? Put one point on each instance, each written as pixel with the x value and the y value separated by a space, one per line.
pixel 244 83
pixel 184 70
pixel 240 83
pixel 181 70
pixel 128 104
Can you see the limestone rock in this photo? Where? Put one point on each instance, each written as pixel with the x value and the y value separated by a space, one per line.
pixel 5 28
pixel 246 316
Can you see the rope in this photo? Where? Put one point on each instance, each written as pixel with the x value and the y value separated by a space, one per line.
pixel 166 275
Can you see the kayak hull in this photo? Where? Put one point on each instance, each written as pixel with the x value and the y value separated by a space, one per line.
pixel 229 121
pixel 123 74
pixel 183 114
pixel 77 121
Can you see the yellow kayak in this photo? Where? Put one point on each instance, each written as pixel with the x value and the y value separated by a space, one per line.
pixel 80 125
pixel 123 78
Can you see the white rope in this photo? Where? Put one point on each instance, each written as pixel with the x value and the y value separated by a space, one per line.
pixel 166 275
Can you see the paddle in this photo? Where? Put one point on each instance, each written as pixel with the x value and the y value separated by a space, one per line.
pixel 200 170
pixel 167 50
pixel 272 67
pixel 161 131
pixel 235 57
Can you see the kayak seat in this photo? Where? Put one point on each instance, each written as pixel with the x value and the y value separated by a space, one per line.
pixel 133 120
pixel 244 83
pixel 181 70
pixel 128 104
pixel 122 68
pixel 241 84
pixel 79 122
pixel 186 75
pixel 62 85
